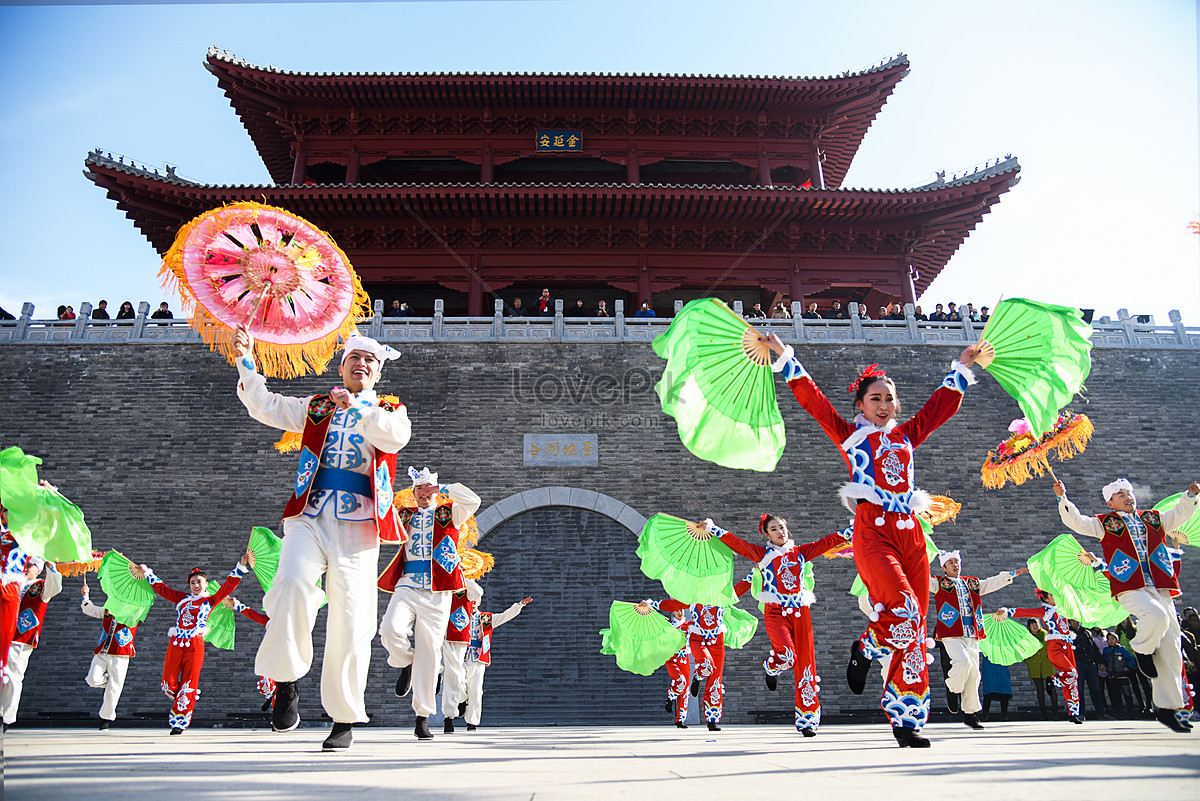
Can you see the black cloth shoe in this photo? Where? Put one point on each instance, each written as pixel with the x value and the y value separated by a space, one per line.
pixel 1167 718
pixel 772 681
pixel 809 732
pixel 680 725
pixel 695 686
pixel 176 731
pixel 908 738
pixel 448 726
pixel 404 682
pixel 421 729
pixel 670 707
pixel 973 722
pixel 341 736
pixel 856 671
pixel 104 725
pixel 471 728
pixel 1075 719
pixel 285 714
pixel 1187 724
pixel 1145 665
pixel 462 709
pixel 953 702
pixel 5 727
pixel 266 707
pixel 713 727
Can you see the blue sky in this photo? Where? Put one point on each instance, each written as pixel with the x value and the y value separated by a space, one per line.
pixel 1097 99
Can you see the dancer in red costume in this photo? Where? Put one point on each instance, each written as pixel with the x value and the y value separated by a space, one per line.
pixel 12 580
pixel 889 548
pixel 679 670
pixel 110 657
pixel 706 640
pixel 785 608
pixel 266 685
pixel 185 652
pixel 1058 647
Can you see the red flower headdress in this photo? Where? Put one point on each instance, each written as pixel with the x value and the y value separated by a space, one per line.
pixel 867 374
pixel 762 523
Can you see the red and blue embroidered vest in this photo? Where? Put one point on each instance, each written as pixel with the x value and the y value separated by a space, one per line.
pixel 31 614
pixel 117 639
pixel 458 627
pixel 383 470
pixel 949 616
pixel 446 564
pixel 1124 568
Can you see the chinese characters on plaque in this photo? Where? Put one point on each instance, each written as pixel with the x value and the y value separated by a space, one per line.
pixel 559 141
pixel 561 450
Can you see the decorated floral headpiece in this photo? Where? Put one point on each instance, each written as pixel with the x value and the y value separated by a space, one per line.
pixel 762 523
pixel 196 572
pixel 872 371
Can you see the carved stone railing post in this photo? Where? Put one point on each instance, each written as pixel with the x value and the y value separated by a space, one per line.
pixel 81 321
pixel 139 323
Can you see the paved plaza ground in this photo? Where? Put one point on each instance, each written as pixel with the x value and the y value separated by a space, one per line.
pixel 1137 760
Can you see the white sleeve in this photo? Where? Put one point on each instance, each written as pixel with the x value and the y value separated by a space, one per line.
pixel 1080 524
pixel 53 585
pixel 474 591
pixel 1180 513
pixel 995 582
pixel 386 431
pixel 507 615
pixel 466 503
pixel 91 610
pixel 269 408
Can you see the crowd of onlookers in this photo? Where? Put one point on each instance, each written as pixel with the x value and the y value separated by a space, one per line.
pixel 543 306
pixel 1109 680
pixel 100 312
pixel 950 313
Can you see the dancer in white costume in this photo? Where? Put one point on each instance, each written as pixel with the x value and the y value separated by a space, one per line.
pixel 423 577
pixel 454 653
pixel 110 657
pixel 479 655
pixel 36 593
pixel 341 507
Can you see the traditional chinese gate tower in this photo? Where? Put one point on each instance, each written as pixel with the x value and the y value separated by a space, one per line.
pixel 663 186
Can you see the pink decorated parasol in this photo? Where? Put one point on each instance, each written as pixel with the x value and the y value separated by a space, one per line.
pixel 266 268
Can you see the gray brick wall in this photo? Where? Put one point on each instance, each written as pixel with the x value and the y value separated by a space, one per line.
pixel 151 441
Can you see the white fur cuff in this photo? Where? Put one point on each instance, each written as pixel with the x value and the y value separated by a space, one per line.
pixel 788 354
pixel 964 371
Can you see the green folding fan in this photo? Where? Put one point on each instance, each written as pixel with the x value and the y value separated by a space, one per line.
pixel 719 387
pixel 1039 353
pixel 266 547
pixel 220 622
pixel 1191 527
pixel 693 566
pixel 739 626
pixel 1080 592
pixel 641 642
pixel 128 598
pixel 1007 642
pixel 43 522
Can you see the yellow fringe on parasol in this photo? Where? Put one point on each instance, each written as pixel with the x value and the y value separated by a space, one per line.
pixel 278 361
pixel 840 552
pixel 291 440
pixel 1019 458
pixel 942 509
pixel 79 568
pixel 475 563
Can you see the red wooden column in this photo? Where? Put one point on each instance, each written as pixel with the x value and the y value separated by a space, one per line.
pixel 475 290
pixel 632 173
pixel 908 288
pixel 764 169
pixel 644 281
pixel 352 166
pixel 301 164
pixel 487 169
pixel 795 285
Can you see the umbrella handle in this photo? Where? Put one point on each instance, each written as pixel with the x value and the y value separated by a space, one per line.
pixel 257 302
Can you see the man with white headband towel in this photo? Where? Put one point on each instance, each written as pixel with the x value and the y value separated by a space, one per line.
pixel 958 606
pixel 1141 574
pixel 423 577
pixel 340 509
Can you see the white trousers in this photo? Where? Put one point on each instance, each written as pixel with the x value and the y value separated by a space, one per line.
pixel 1158 634
pixel 474 692
pixel 454 677
pixel 348 554
pixel 963 676
pixel 108 671
pixel 412 631
pixel 10 696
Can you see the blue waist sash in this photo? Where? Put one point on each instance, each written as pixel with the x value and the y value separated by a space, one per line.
pixel 333 478
pixel 418 567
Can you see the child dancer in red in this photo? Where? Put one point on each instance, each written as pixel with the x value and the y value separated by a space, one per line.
pixel 1058 648
pixel 889 548
pixel 185 652
pixel 785 609
pixel 706 639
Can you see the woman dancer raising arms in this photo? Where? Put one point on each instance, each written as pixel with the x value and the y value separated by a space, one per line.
pixel 889 548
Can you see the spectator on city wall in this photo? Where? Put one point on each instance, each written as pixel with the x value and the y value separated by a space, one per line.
pixel 578 310
pixel 602 310
pixel 757 312
pixel 101 311
pixel 163 312
pixel 837 312
pixel 545 305
pixel 952 315
pixel 394 310
pixel 126 311
pixel 645 311
pixel 811 313
pixel 780 312
pixel 516 310
pixel 938 316
pixel 919 315
pixel 984 314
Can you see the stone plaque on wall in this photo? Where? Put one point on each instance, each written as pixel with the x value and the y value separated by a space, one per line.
pixel 561 450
